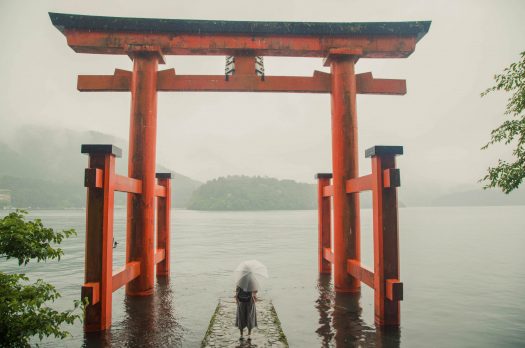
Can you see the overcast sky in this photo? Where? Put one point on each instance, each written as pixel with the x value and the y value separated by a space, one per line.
pixel 442 122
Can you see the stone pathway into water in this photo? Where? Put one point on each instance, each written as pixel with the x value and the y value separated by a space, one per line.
pixel 223 333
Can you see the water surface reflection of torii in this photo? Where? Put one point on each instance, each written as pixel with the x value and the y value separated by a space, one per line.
pixel 340 322
pixel 149 322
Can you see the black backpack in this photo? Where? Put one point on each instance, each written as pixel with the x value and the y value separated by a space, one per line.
pixel 244 296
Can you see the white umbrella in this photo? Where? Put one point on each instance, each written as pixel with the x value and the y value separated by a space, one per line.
pixel 247 273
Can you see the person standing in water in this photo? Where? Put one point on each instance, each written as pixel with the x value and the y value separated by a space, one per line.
pixel 246 316
pixel 246 289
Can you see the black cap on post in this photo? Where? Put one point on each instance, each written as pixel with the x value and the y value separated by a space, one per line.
pixel 379 150
pixel 101 149
pixel 163 175
pixel 323 176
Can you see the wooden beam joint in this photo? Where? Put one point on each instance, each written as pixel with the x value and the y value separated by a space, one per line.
pixel 160 191
pixel 367 84
pixel 93 178
pixel 129 185
pixel 328 191
pixel 160 255
pixel 342 53
pixel 362 183
pixel 120 81
pixel 91 291
pixel 126 274
pixel 328 255
pixel 394 290
pixel 391 178
pixel 355 269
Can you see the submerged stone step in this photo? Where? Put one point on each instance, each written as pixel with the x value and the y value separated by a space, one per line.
pixel 223 333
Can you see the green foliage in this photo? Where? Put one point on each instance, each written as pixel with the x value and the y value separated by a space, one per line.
pixel 24 313
pixel 253 193
pixel 29 240
pixel 23 309
pixel 508 176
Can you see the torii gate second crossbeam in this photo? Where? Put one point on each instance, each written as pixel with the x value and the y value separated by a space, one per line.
pixel 146 42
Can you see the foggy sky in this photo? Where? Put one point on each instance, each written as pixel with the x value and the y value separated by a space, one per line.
pixel 442 122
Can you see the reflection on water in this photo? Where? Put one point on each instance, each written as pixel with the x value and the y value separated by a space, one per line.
pixel 340 322
pixel 476 254
pixel 148 322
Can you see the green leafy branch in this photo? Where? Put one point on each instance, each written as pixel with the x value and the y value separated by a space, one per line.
pixel 26 240
pixel 23 309
pixel 509 175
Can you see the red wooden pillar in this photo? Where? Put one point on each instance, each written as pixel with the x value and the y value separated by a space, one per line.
pixel 163 223
pixel 324 209
pixel 345 166
pixel 99 180
pixel 141 165
pixel 388 290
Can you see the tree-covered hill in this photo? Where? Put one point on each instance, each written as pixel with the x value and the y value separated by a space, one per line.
pixel 37 193
pixel 253 193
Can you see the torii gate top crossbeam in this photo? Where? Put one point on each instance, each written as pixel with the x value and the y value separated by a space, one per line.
pixel 115 35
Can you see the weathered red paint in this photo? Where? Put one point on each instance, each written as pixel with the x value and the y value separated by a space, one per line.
pixel 355 268
pixel 328 191
pixel 129 272
pixel 159 255
pixel 328 255
pixel 141 166
pixel 346 244
pixel 160 191
pixel 99 243
pixel 125 184
pixel 356 185
pixel 163 227
pixel 244 81
pixel 229 45
pixel 386 243
pixel 102 182
pixel 324 205
pixel 394 290
pixel 91 292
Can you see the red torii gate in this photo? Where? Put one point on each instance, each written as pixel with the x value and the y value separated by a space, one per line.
pixel 146 41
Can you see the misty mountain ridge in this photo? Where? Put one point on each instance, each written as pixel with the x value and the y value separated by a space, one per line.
pixel 43 167
pixel 51 161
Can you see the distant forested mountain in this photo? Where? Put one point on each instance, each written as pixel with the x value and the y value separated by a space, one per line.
pixel 43 168
pixel 36 193
pixel 253 193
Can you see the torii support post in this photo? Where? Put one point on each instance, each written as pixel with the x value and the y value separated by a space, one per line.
pixel 141 166
pixel 163 223
pixel 345 165
pixel 102 182
pixel 98 270
pixel 385 180
pixel 324 208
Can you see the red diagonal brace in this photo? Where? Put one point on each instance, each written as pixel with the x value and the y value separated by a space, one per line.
pixel 120 81
pixel 367 84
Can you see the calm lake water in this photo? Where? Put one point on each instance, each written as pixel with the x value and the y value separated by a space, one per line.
pixel 463 271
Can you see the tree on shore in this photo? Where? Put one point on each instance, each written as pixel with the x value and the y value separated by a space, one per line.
pixel 24 312
pixel 509 175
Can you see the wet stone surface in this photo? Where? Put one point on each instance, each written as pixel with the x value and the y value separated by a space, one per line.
pixel 223 333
